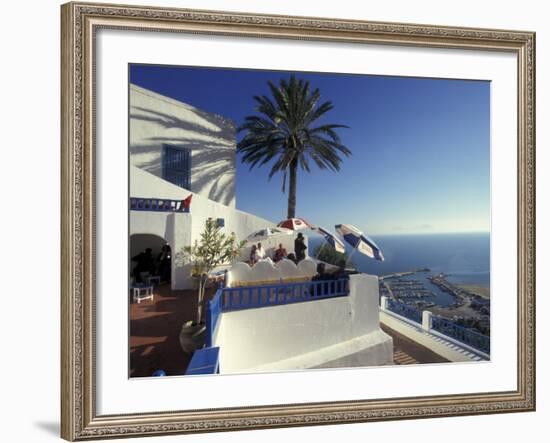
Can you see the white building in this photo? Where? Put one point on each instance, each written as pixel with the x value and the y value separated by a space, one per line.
pixel 183 145
pixel 177 150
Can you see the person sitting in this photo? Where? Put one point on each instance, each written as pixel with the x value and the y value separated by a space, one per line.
pixel 253 256
pixel 342 274
pixel 280 253
pixel 292 258
pixel 322 275
pixel 260 252
pixel 145 263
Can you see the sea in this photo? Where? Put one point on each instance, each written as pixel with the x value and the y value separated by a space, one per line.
pixel 464 258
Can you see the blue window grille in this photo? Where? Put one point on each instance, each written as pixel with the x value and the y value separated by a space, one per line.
pixel 157 205
pixel 176 166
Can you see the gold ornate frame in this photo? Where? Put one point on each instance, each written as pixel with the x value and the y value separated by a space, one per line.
pixel 79 24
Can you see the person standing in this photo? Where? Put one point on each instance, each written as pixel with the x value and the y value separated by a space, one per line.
pixel 165 260
pixel 300 248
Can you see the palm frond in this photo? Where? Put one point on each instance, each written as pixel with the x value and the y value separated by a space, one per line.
pixel 282 136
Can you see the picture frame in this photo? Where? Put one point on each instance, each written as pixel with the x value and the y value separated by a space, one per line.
pixel 79 388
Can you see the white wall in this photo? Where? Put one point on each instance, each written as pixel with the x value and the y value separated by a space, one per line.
pixel 304 335
pixel 30 383
pixel 156 120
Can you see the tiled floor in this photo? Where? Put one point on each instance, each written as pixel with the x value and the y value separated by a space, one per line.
pixel 154 332
pixel 408 352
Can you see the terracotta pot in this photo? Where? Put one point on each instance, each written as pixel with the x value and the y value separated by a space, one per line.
pixel 192 336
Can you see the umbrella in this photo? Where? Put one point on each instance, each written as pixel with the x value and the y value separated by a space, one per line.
pixel 295 224
pixel 331 239
pixel 264 234
pixel 359 241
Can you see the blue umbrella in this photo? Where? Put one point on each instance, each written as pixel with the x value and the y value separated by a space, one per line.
pixel 359 241
pixel 331 239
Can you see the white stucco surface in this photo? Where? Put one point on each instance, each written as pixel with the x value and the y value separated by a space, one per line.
pixel 308 334
pixel 156 120
pixel 241 272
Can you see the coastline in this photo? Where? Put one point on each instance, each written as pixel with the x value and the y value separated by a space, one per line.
pixel 478 290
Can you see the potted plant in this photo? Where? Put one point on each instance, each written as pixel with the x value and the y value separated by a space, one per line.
pixel 213 249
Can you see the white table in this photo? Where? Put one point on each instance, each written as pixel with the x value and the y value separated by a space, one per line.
pixel 142 293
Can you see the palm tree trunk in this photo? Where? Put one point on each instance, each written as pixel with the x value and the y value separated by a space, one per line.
pixel 293 176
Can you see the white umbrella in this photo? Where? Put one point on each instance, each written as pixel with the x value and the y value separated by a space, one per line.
pixel 359 241
pixel 265 233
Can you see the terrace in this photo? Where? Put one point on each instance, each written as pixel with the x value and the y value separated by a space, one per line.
pixel 155 325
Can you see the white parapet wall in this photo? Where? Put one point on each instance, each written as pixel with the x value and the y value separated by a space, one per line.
pixel 266 271
pixel 445 346
pixel 334 332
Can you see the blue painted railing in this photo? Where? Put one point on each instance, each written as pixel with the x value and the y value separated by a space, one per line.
pixel 405 310
pixel 248 297
pixel 157 205
pixel 464 335
pixel 204 361
pixel 446 327
pixel 213 312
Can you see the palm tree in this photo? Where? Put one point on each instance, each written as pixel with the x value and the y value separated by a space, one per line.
pixel 287 133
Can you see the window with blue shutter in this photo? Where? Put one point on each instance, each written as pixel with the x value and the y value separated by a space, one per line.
pixel 176 166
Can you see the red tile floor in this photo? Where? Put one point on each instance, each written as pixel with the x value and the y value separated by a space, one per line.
pixel 154 331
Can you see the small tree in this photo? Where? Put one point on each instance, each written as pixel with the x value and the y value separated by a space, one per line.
pixel 331 256
pixel 213 249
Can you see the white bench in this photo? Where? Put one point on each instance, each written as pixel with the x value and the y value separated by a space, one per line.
pixel 142 293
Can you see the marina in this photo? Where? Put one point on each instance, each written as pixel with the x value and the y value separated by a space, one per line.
pixel 436 293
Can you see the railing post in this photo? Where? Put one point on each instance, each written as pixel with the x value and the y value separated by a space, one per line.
pixel 427 320
pixel 384 303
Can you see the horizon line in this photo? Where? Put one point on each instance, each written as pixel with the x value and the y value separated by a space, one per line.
pixel 428 233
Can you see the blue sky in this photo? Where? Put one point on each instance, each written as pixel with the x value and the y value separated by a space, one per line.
pixel 421 148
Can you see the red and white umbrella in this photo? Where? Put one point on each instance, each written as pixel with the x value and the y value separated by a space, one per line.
pixel 295 224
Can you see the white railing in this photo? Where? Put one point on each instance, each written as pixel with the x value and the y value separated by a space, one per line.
pixel 464 339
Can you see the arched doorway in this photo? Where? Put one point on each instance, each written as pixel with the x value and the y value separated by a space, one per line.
pixel 160 261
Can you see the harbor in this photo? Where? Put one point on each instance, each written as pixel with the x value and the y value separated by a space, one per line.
pixel 469 306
